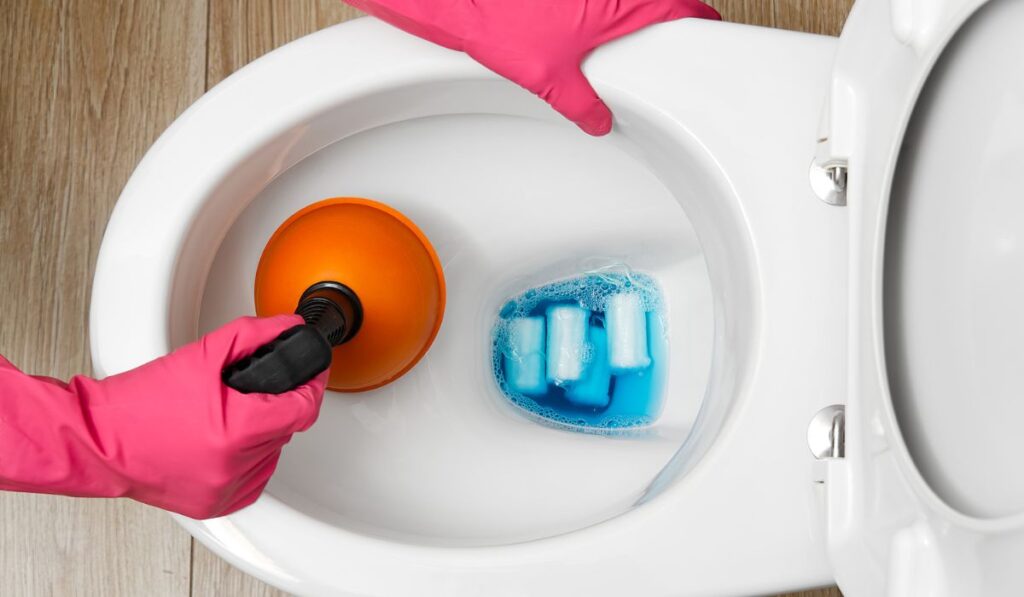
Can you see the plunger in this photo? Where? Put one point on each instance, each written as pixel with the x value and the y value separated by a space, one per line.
pixel 369 287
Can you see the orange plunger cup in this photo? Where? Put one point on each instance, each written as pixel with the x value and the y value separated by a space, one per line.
pixel 369 286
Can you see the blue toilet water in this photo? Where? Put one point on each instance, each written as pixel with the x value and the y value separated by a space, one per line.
pixel 589 353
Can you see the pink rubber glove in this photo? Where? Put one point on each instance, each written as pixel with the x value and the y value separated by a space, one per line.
pixel 539 44
pixel 168 434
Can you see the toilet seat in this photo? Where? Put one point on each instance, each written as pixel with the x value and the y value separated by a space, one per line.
pixel 889 531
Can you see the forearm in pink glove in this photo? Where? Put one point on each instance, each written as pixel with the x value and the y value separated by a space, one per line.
pixel 539 44
pixel 169 433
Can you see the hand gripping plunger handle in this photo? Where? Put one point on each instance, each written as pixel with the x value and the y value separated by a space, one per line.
pixel 332 313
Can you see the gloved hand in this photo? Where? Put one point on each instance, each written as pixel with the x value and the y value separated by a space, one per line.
pixel 169 433
pixel 539 44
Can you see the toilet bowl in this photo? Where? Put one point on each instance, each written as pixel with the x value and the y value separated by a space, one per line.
pixel 435 484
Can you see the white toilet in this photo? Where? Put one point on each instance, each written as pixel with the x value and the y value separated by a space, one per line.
pixel 838 229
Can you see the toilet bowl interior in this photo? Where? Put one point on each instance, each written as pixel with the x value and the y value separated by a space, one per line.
pixel 509 201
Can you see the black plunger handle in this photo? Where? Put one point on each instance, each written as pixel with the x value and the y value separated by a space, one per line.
pixel 333 315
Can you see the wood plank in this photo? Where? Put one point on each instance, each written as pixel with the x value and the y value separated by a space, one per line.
pixel 825 17
pixel 243 30
pixel 812 16
pixel 87 88
pixel 213 577
pixel 822 592
pixel 750 12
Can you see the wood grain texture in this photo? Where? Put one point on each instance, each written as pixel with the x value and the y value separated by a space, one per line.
pixel 750 12
pixel 213 577
pixel 822 592
pixel 813 16
pixel 87 87
pixel 243 30
pixel 825 17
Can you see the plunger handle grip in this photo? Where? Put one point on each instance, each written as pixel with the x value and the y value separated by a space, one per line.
pixel 333 315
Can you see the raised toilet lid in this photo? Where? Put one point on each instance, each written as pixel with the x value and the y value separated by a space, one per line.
pixel 924 491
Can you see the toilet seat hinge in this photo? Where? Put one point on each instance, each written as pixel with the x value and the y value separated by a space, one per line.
pixel 826 434
pixel 829 179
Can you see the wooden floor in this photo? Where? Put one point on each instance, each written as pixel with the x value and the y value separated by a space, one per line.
pixel 85 87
